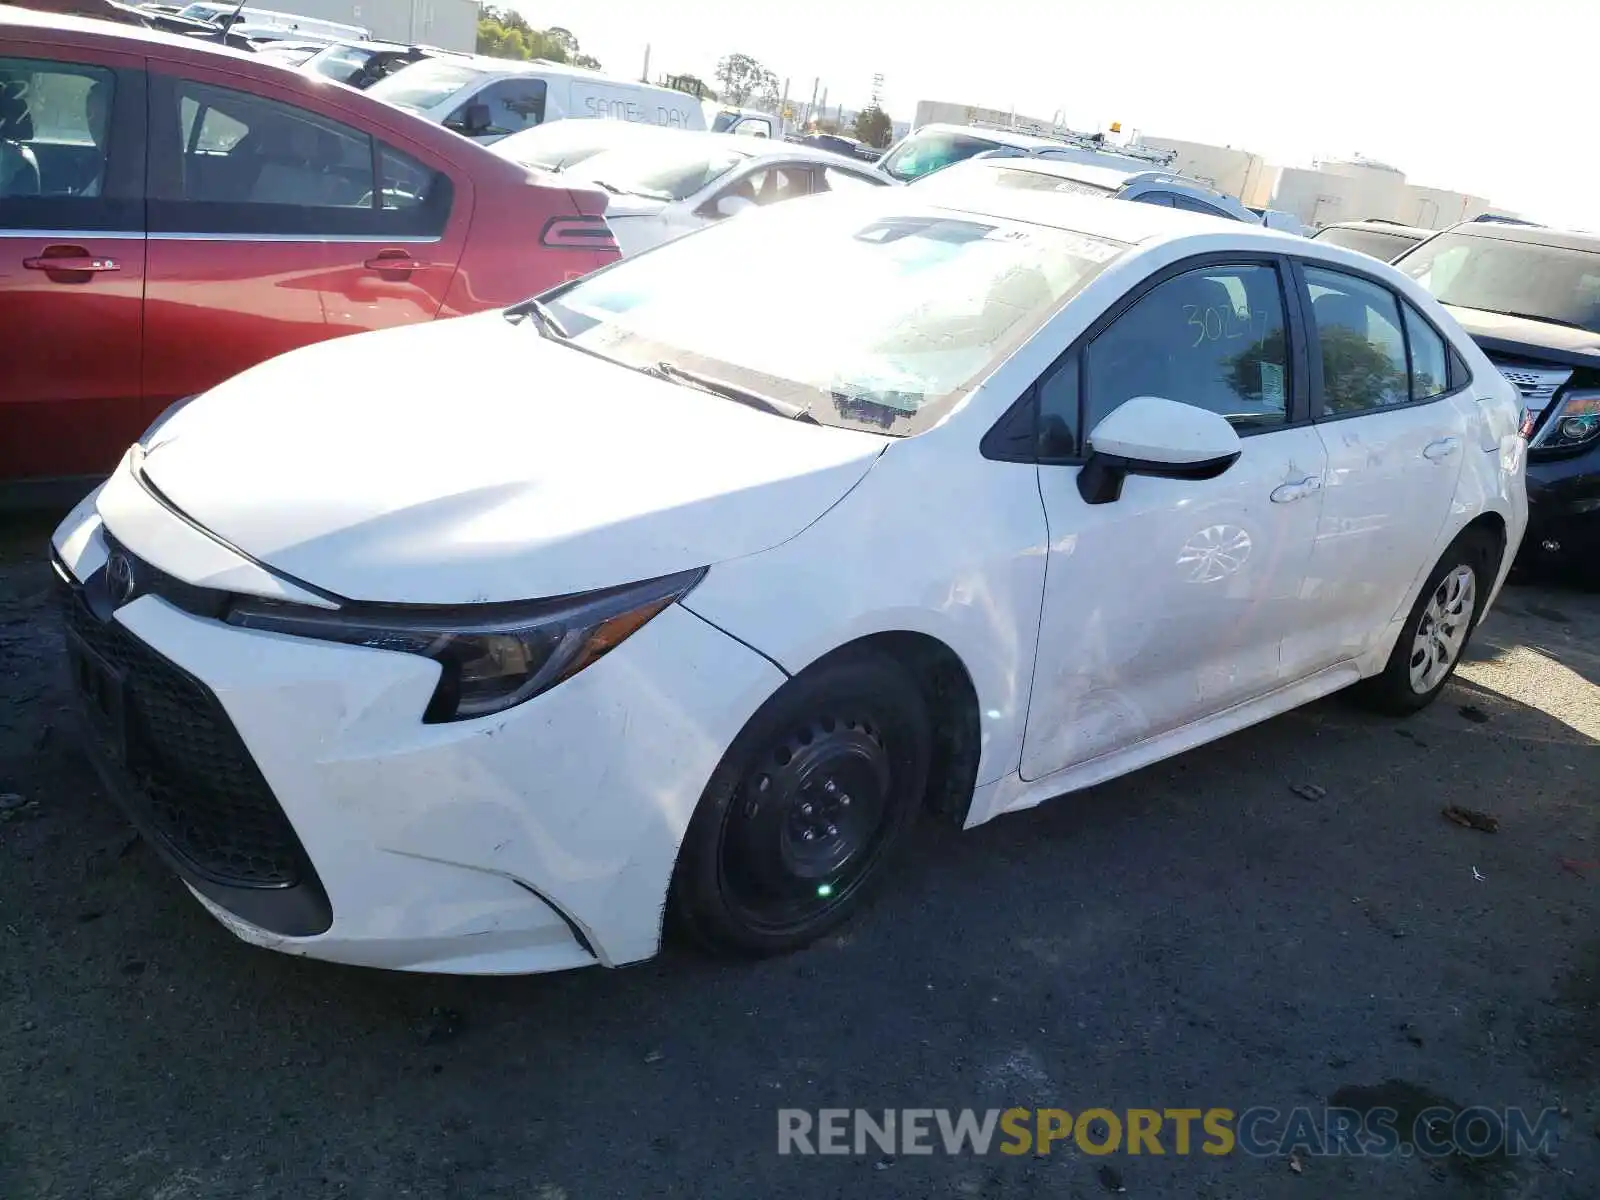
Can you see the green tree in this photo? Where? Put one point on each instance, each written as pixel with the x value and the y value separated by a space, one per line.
pixel 873 126
pixel 744 80
pixel 505 33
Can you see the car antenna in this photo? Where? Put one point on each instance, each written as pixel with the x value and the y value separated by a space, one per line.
pixel 233 17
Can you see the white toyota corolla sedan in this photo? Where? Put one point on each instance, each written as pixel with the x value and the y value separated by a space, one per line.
pixel 679 593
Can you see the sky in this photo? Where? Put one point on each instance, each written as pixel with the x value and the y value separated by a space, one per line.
pixel 1497 100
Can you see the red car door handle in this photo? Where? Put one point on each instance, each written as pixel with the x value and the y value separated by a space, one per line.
pixel 70 258
pixel 395 262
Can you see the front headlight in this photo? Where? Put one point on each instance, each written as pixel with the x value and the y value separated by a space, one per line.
pixel 1574 423
pixel 491 656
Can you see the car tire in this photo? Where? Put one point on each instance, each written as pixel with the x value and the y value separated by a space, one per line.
pixel 1437 630
pixel 807 808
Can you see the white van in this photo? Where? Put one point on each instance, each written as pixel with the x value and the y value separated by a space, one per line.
pixel 266 18
pixel 487 98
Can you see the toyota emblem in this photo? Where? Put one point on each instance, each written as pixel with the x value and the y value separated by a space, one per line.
pixel 120 579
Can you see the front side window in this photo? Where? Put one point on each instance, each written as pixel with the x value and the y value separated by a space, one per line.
pixel 1357 326
pixel 513 104
pixel 935 302
pixel 55 126
pixel 1557 284
pixel 930 150
pixel 1213 338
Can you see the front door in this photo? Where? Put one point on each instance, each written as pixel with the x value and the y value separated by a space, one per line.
pixel 269 230
pixel 1395 447
pixel 1205 577
pixel 72 261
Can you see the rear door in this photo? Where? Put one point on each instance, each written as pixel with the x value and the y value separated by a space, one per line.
pixel 1395 445
pixel 275 224
pixel 72 259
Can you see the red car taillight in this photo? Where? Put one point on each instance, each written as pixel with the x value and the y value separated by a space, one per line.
pixel 577 233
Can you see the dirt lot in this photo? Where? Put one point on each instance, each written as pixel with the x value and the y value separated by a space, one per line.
pixel 1197 934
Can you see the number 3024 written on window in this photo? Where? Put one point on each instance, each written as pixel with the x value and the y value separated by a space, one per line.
pixel 1225 323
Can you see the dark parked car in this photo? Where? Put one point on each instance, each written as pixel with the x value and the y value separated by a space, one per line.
pixel 172 212
pixel 1530 297
pixel 1384 240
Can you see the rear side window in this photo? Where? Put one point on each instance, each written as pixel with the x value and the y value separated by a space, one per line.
pixel 415 198
pixel 226 161
pixel 1430 370
pixel 1363 348
pixel 55 126
pixel 1162 199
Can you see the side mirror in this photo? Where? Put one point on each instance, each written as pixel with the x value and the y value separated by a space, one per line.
pixel 1150 435
pixel 474 119
pixel 732 206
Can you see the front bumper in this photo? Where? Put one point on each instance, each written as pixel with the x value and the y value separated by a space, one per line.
pixel 540 838
pixel 1564 506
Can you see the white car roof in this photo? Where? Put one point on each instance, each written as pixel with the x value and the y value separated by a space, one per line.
pixel 1131 223
pixel 1100 176
pixel 693 141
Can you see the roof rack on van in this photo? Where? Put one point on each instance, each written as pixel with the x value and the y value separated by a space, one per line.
pixel 1083 141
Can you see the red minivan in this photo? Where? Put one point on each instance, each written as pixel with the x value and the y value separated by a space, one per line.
pixel 173 212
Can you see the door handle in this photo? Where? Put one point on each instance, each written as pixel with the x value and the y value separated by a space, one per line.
pixel 1440 450
pixel 397 260
pixel 70 258
pixel 1297 490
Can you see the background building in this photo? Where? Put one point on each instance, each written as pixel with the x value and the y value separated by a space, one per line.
pixel 451 24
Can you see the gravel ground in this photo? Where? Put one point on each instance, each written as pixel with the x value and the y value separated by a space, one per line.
pixel 1197 934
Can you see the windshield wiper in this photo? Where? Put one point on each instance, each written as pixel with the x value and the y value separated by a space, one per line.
pixel 728 391
pixel 1500 312
pixel 543 318
pixel 608 187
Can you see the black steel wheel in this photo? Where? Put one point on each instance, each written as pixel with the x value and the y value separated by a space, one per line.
pixel 805 809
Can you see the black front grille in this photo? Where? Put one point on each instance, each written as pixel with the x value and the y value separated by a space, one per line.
pixel 197 788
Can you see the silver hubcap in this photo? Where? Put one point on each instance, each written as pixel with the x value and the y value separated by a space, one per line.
pixel 1443 630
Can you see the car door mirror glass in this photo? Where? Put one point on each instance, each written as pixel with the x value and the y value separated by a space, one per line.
pixel 1151 435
